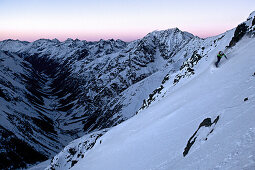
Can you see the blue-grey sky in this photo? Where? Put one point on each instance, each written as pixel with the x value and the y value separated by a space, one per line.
pixel 126 19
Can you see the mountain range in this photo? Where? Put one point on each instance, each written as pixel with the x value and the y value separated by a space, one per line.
pixel 115 101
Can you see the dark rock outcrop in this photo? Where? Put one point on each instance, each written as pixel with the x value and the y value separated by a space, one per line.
pixel 205 123
pixel 238 35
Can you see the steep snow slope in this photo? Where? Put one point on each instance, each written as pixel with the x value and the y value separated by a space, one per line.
pixel 192 120
pixel 208 117
pixel 185 59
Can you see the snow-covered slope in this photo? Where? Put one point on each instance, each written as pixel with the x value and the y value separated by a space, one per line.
pixel 199 117
pixel 208 117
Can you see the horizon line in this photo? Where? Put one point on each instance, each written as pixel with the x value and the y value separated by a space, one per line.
pixel 126 39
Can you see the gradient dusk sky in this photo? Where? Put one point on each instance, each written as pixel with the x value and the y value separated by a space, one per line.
pixel 118 19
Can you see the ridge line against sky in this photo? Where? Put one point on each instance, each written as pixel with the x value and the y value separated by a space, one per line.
pixel 127 20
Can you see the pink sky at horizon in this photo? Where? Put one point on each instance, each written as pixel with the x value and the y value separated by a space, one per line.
pixel 28 36
pixel 29 20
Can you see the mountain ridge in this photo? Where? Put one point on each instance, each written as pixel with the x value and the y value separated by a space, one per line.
pixel 74 88
pixel 64 85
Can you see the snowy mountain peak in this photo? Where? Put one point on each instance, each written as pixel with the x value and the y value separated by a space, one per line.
pixel 55 40
pixel 169 33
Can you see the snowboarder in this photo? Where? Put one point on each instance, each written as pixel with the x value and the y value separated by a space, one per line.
pixel 219 56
